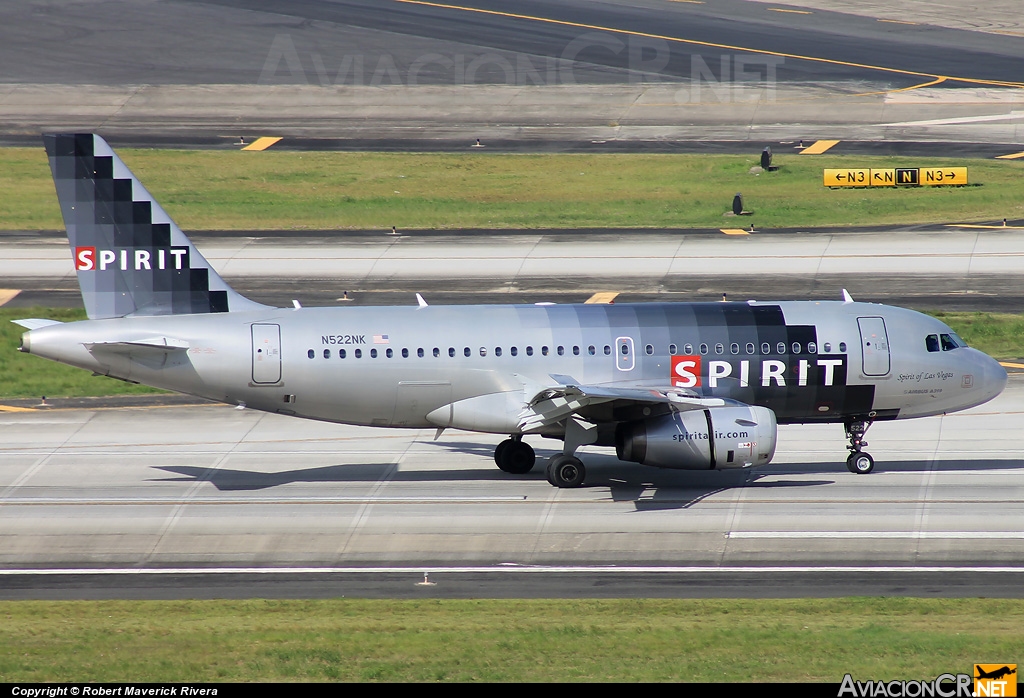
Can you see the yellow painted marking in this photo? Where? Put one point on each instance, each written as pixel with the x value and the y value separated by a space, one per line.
pixel 602 297
pixel 1010 365
pixel 936 81
pixel 10 408
pixel 937 176
pixel 8 294
pixel 692 2
pixel 262 143
pixel 793 12
pixel 694 42
pixel 896 21
pixel 817 147
pixel 735 231
pixel 1011 156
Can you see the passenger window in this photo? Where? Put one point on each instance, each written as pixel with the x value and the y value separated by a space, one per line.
pixel 467 352
pixel 592 350
pixel 437 352
pixel 766 348
pixel 672 348
pixel 483 351
pixel 781 347
pixel 812 348
pixel 750 347
pixel 389 353
pixel 419 353
pixel 842 347
pixel 327 353
pixel 311 353
pixel 561 351
pixel 734 348
pixel 703 348
pixel 649 349
pixel 828 347
pixel 451 352
pixel 607 350
pixel 341 353
pixel 719 348
pixel 575 351
pixel 544 351
pixel 359 353
pixel 931 342
pixel 514 351
pixel 405 353
pixel 529 351
pixel 687 348
pixel 497 351
pixel 796 347
pixel 373 353
pixel 625 349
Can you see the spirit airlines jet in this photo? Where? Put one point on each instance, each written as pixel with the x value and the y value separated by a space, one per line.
pixel 692 386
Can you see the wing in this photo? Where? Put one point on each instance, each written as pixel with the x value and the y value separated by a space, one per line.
pixel 598 403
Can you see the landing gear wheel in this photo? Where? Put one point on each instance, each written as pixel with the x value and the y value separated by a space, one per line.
pixel 566 471
pixel 500 449
pixel 860 463
pixel 515 456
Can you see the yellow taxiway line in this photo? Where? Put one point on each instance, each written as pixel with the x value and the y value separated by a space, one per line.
pixel 1011 156
pixel 735 231
pixel 710 44
pixel 817 147
pixel 1009 364
pixel 8 294
pixel 602 297
pixel 262 143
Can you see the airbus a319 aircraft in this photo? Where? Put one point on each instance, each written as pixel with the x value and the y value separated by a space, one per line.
pixel 693 386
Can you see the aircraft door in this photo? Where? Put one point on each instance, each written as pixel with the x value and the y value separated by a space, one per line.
pixel 266 353
pixel 624 354
pixel 874 346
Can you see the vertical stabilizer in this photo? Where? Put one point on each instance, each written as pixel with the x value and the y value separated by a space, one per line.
pixel 130 256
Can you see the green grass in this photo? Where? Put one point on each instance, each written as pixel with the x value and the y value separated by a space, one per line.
pixel 504 640
pixel 21 375
pixel 210 190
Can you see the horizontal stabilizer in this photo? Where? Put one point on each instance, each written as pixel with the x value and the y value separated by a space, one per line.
pixel 36 323
pixel 140 346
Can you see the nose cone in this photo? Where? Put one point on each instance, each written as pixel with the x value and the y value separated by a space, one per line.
pixel 992 378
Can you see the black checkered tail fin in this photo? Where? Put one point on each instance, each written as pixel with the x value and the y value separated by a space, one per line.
pixel 131 258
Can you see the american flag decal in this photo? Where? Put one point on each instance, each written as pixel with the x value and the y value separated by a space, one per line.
pixel 381 339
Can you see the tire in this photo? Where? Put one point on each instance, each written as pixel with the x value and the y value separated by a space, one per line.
pixel 517 457
pixel 500 449
pixel 566 471
pixel 860 463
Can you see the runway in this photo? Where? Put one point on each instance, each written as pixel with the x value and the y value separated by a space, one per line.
pixel 930 268
pixel 541 75
pixel 214 486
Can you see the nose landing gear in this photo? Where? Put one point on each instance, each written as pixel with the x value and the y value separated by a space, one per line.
pixel 859 462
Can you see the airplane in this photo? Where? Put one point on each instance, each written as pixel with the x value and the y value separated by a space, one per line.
pixel 994 674
pixel 693 386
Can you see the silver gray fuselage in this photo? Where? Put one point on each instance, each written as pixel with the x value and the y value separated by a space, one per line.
pixel 394 366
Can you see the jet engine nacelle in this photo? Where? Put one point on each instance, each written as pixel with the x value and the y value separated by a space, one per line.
pixel 715 438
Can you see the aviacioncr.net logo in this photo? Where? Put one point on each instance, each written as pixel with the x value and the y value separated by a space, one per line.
pixel 943 686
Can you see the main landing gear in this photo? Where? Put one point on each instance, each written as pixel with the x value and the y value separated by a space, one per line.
pixel 513 455
pixel 566 471
pixel 859 462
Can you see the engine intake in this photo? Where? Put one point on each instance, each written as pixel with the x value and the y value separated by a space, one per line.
pixel 715 438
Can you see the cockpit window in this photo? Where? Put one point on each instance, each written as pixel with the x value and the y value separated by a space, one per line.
pixel 945 342
pixel 951 341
